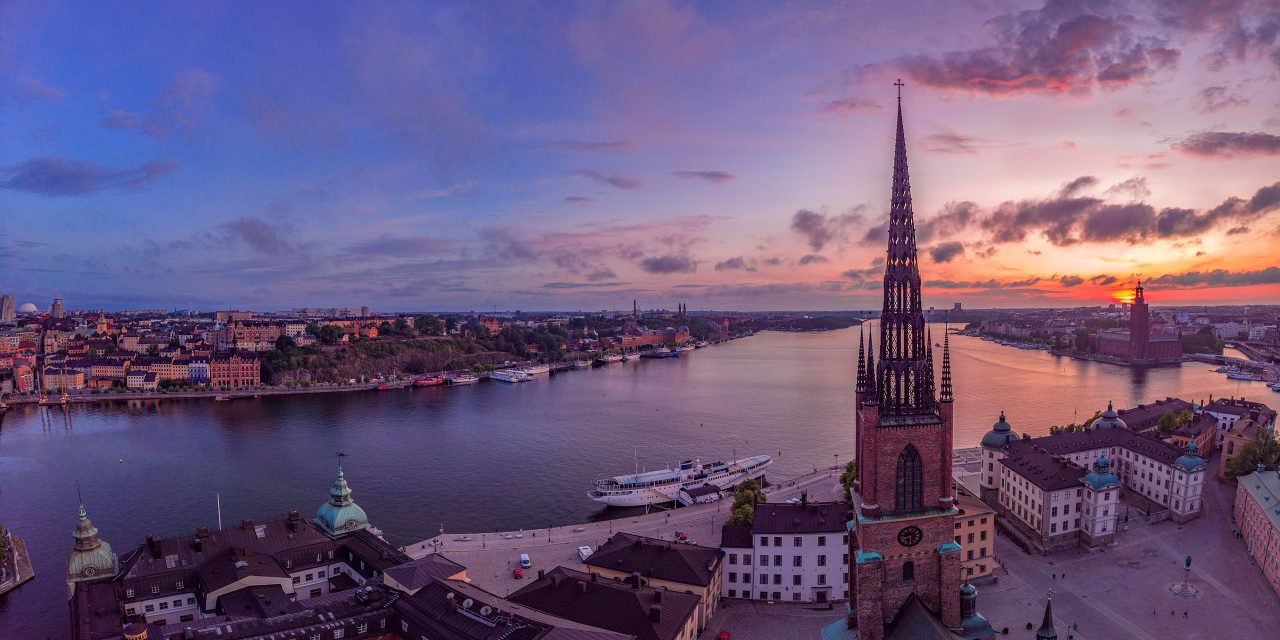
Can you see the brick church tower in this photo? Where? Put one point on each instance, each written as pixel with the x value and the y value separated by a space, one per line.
pixel 903 543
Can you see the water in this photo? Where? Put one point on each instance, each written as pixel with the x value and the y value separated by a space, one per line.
pixel 493 456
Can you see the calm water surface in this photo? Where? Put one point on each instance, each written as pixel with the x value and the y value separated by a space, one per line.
pixel 493 456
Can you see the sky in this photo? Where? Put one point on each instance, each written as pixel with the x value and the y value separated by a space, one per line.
pixel 727 155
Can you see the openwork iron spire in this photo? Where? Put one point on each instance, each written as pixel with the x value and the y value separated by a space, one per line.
pixel 873 395
pixel 904 376
pixel 861 386
pixel 946 395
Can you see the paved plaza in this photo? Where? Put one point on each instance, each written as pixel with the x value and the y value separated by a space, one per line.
pixel 1123 592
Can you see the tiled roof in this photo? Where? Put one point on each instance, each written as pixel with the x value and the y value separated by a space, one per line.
pixel 1202 424
pixel 813 517
pixel 1041 468
pixel 735 536
pixel 617 606
pixel 1144 416
pixel 915 622
pixel 1264 488
pixel 1071 442
pixel 417 573
pixel 660 559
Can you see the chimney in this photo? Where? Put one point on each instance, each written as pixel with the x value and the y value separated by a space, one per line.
pixel 153 543
pixel 246 524
pixel 202 532
pixel 555 580
pixel 582 588
pixel 540 574
pixel 635 580
pixel 655 613
pixel 804 497
pixel 657 594
pixel 595 577
pixel 198 544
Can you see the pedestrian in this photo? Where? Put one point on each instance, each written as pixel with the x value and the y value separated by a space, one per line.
pixel 1184 614
pixel 1064 576
pixel 1055 576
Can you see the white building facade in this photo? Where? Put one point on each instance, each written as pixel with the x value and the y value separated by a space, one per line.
pixel 791 553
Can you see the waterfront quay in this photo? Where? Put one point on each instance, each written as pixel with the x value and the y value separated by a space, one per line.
pixel 490 557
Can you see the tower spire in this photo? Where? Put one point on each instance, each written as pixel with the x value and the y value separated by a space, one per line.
pixel 1046 630
pixel 861 386
pixel 903 376
pixel 872 393
pixel 946 395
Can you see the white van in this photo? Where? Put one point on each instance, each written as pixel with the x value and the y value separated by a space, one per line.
pixel 524 561
pixel 584 553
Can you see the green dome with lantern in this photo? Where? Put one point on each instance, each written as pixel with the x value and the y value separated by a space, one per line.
pixel 999 435
pixel 341 515
pixel 91 558
pixel 1109 419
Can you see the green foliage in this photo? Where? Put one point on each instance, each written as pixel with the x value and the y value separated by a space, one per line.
pixel 1170 421
pixel 1264 449
pixel 847 477
pixel 428 325
pixel 1073 427
pixel 742 515
pixel 1202 341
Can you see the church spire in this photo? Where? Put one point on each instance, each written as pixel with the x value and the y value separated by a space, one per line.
pixel 872 392
pixel 946 395
pixel 861 386
pixel 1046 630
pixel 903 379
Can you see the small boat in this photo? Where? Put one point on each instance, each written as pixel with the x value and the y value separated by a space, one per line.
pixel 628 357
pixel 510 375
pixel 385 386
pixel 661 353
pixel 701 343
pixel 464 378
pixel 607 358
pixel 1243 375
pixel 686 347
pixel 535 369
pixel 429 382
pixel 581 364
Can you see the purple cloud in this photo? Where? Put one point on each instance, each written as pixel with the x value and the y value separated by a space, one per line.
pixel 587 146
pixel 819 229
pixel 946 252
pixel 849 106
pixel 179 107
pixel 260 235
pixel 613 180
pixel 55 177
pixel 734 264
pixel 669 264
pixel 812 258
pixel 714 177
pixel 1229 144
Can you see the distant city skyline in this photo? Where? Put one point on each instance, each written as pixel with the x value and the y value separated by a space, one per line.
pixel 724 155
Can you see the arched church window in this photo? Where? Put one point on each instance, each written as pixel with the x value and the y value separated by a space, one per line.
pixel 908 571
pixel 910 481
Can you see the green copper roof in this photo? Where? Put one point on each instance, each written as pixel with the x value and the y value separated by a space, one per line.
pixel 1189 461
pixel 1109 419
pixel 90 557
pixel 1101 477
pixel 341 515
pixel 1001 433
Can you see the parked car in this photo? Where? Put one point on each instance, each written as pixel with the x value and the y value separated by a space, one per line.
pixel 517 574
pixel 680 535
pixel 584 553
pixel 724 635
pixel 524 561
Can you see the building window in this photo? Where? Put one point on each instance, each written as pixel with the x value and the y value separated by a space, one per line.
pixel 822 561
pixel 404 626
pixel 795 597
pixel 844 559
pixel 777 578
pixel 908 571
pixel 733 558
pixel 910 481
pixel 982 535
pixel 777 595
pixel 970 538
pixel 733 576
pixel 764 541
pixel 777 561
pixel 733 593
pixel 797 561
pixel 795 580
pixel 177 603
pixel 822 578
pixel 822 541
pixel 177 585
pixel 362 627
pixel 777 541
pixel 296 579
pixel 320 573
pixel 338 633
pixel 797 541
pixel 150 608
pixel 128 611
pixel 315 593
pixel 164 605
pixel 764 561
pixel 128 593
pixel 155 588
pixel 970 557
pixel 746 559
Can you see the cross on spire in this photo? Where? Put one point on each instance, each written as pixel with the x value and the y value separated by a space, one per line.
pixel 899 84
pixel 341 455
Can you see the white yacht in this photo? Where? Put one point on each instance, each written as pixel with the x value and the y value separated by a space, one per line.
pixel 510 375
pixel 463 378
pixel 656 487
pixel 535 369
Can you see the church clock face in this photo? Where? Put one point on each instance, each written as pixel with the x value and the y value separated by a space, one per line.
pixel 910 536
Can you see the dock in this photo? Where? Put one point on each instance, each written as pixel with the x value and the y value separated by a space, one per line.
pixel 490 556
pixel 17 564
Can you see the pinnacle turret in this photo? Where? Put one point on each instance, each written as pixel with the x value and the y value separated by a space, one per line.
pixel 946 395
pixel 1046 630
pixel 861 386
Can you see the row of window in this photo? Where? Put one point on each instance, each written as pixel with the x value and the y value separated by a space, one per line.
pixel 984 521
pixel 164 606
pixel 764 595
pixel 777 578
pixel 797 541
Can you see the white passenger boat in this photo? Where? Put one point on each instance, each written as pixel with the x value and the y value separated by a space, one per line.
pixel 510 375
pixel 463 378
pixel 1243 375
pixel 656 487
pixel 535 369
pixel 628 357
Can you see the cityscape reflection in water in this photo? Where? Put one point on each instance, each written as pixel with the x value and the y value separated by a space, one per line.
pixel 494 456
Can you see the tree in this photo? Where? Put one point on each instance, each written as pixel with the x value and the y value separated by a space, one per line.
pixel 401 326
pixel 450 324
pixel 153 350
pixel 428 325
pixel 285 344
pixel 1264 449
pixel 329 334
pixel 847 477
pixel 1170 421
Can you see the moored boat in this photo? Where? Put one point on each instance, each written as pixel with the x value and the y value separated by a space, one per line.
pixel 535 369
pixel 510 375
pixel 628 357
pixel 463 378
pixel 655 487
pixel 1243 375
pixel 429 382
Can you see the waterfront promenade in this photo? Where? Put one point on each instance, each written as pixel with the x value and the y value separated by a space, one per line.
pixel 490 557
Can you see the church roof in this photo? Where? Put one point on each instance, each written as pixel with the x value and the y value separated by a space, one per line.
pixel 341 515
pixel 916 622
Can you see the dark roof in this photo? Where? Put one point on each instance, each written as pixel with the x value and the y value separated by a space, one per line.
pixel 915 622
pixel 1197 427
pixel 264 601
pixel 617 606
pixel 434 609
pixel 736 536
pixel 1071 442
pixel 660 559
pixel 1042 468
pixel 1241 407
pixel 94 612
pixel 236 564
pixel 813 517
pixel 418 573
pixel 1145 416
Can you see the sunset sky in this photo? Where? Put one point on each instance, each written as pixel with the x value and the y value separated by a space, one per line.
pixel 555 155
